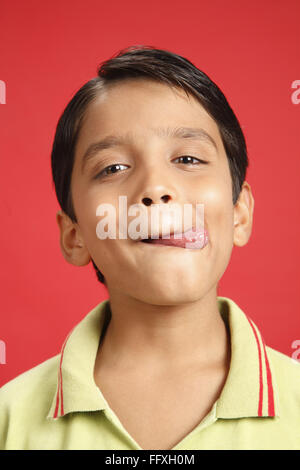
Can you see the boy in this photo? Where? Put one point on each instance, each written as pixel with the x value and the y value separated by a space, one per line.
pixel 164 363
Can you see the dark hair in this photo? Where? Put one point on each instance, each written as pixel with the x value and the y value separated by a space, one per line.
pixel 156 64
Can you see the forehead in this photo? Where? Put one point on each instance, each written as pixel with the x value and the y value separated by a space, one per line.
pixel 138 107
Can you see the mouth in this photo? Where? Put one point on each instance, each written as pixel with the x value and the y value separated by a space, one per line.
pixel 190 239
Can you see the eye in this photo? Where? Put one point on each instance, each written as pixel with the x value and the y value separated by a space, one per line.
pixel 188 159
pixel 110 170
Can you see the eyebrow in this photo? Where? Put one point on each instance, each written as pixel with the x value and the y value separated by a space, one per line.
pixel 117 140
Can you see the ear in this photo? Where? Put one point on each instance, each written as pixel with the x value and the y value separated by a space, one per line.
pixel 243 216
pixel 71 242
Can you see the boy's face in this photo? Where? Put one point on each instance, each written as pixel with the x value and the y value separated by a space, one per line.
pixel 151 168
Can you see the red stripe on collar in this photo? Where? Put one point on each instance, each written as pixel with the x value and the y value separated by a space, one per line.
pixel 260 400
pixel 271 410
pixel 59 393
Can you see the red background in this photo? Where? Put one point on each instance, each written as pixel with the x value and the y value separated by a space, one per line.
pixel 48 51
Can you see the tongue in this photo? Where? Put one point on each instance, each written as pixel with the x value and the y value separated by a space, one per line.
pixel 190 240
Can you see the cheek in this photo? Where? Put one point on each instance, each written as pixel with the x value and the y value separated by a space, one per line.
pixel 216 195
pixel 218 216
pixel 93 223
pixel 85 208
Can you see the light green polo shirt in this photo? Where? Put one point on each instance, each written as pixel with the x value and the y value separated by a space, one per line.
pixel 57 405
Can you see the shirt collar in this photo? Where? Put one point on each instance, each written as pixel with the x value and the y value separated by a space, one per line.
pixel 76 389
pixel 249 390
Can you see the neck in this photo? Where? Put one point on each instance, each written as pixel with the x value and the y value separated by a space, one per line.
pixel 163 337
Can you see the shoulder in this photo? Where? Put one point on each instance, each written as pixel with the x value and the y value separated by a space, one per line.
pixel 31 389
pixel 286 377
pixel 284 364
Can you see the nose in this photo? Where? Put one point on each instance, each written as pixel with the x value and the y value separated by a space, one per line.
pixel 155 184
pixel 148 200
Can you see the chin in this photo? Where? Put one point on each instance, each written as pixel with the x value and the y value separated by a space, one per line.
pixel 172 293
